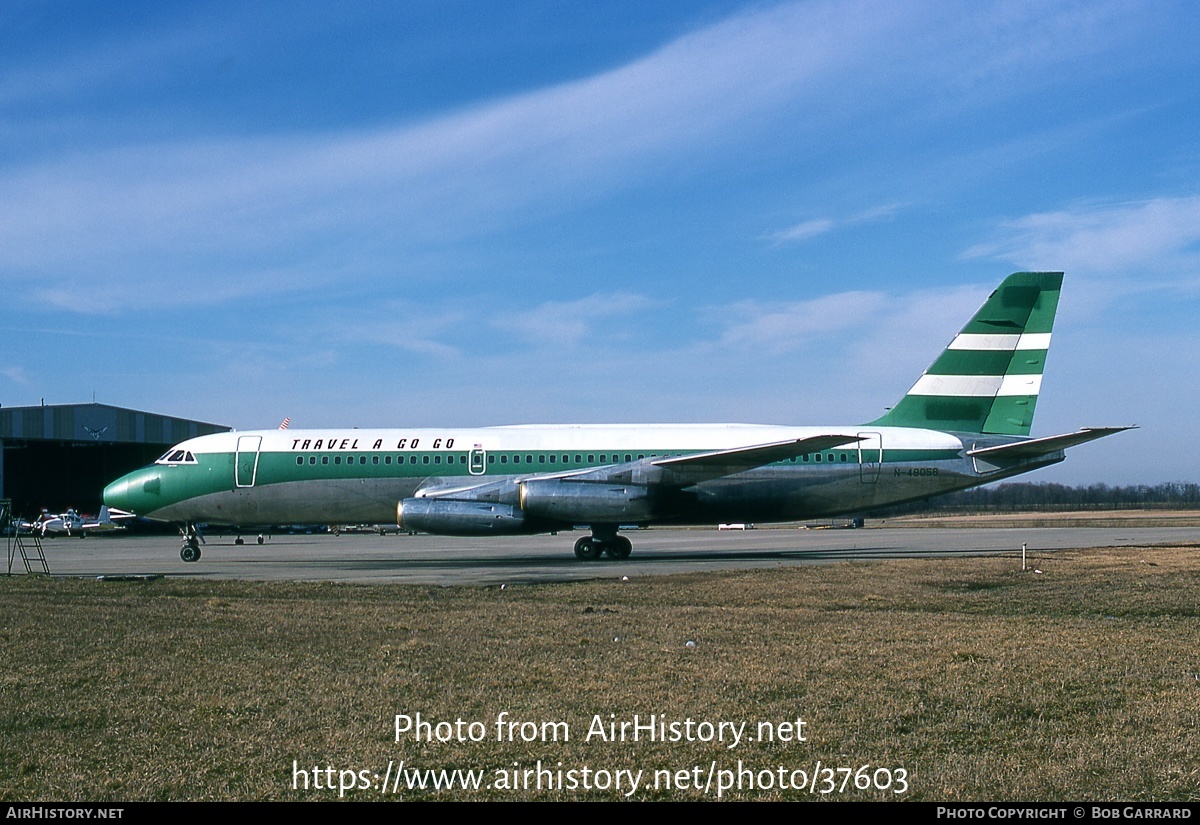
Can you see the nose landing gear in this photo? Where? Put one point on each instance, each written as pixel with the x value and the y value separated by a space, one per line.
pixel 190 551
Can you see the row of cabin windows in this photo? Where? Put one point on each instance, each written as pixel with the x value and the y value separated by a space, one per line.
pixel 566 458
pixel 387 459
pixel 462 459
pixel 516 458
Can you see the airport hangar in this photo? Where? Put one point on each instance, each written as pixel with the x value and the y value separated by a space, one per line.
pixel 59 456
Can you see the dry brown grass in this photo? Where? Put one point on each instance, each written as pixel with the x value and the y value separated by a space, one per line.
pixel 1080 682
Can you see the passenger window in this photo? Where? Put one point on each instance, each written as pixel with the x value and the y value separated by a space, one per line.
pixel 312 459
pixel 324 459
pixel 337 459
pixel 299 459
pixel 528 459
pixel 552 458
pixel 424 459
pixel 437 459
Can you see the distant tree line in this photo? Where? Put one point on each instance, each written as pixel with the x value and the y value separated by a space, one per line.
pixel 1050 497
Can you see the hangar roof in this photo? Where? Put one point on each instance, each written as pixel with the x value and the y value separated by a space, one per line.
pixel 97 423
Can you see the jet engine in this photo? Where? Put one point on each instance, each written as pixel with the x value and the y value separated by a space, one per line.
pixel 585 502
pixel 454 517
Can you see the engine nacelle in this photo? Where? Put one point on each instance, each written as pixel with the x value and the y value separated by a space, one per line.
pixel 585 502
pixel 453 517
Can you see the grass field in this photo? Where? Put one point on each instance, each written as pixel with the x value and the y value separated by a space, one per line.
pixel 974 679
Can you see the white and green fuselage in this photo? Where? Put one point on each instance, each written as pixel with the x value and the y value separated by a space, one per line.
pixel 361 476
pixel 965 422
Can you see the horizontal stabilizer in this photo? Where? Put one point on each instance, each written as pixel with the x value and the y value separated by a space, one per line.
pixel 692 469
pixel 1036 447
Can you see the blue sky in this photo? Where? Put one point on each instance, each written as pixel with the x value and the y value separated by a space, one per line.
pixel 449 213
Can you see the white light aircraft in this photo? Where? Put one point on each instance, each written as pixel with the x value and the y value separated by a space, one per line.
pixel 72 523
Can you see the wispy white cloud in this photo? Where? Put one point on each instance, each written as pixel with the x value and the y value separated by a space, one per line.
pixel 819 226
pixel 568 323
pixel 776 327
pixel 442 176
pixel 803 231
pixel 16 375
pixel 1152 239
pixel 220 210
pixel 421 330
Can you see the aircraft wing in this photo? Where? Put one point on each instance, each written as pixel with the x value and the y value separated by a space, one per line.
pixel 1036 447
pixel 686 470
pixel 674 471
pixel 692 469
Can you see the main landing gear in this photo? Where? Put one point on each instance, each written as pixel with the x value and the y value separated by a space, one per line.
pixel 600 543
pixel 190 551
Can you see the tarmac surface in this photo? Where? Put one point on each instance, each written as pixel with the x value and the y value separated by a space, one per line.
pixel 368 558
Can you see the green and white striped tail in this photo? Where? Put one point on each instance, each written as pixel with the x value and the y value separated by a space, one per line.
pixel 987 380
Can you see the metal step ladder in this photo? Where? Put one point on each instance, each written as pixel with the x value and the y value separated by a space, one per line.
pixel 28 546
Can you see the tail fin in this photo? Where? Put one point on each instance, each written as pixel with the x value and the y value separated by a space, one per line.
pixel 987 380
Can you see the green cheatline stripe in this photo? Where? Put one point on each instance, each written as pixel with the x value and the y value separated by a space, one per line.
pixel 214 472
pixel 989 362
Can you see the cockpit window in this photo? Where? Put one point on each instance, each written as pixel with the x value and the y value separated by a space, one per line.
pixel 176 457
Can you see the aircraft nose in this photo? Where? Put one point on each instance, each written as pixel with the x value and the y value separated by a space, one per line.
pixel 134 493
pixel 117 494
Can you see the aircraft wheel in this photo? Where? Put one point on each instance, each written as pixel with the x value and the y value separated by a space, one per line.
pixel 260 539
pixel 588 549
pixel 190 553
pixel 620 548
pixel 239 540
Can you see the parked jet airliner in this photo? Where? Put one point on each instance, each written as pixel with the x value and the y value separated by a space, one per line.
pixel 965 422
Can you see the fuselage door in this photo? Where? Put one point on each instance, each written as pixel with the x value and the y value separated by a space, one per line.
pixel 870 457
pixel 478 461
pixel 246 461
